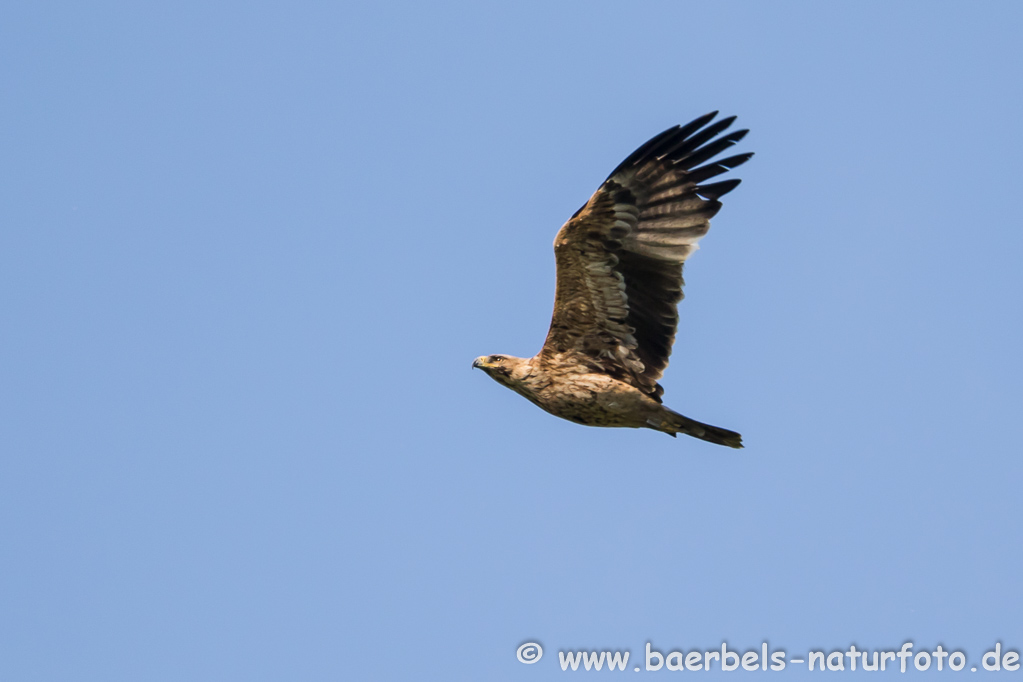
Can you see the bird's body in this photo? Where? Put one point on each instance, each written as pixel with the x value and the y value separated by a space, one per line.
pixel 572 390
pixel 619 262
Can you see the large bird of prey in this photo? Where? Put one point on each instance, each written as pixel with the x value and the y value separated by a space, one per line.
pixel 619 281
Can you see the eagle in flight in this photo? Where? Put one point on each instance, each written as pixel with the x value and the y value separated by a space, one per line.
pixel 619 281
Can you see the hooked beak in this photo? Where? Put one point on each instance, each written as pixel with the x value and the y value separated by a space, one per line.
pixel 479 362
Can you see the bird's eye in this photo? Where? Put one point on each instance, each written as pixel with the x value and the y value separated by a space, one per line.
pixel 495 358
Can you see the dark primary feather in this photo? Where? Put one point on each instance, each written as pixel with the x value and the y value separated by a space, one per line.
pixel 620 256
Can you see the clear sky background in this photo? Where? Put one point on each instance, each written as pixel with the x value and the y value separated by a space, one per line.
pixel 248 252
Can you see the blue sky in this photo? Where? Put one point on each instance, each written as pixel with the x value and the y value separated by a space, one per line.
pixel 249 250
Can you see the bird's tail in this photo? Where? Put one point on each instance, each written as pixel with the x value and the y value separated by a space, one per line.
pixel 674 423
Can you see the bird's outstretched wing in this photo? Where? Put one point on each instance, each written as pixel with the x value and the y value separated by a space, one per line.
pixel 620 257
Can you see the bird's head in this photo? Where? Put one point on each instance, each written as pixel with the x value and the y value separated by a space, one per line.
pixel 503 369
